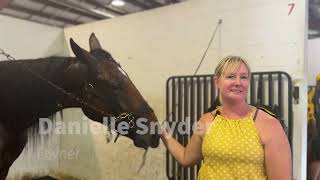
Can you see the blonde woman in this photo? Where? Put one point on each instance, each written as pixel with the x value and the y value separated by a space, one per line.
pixel 236 141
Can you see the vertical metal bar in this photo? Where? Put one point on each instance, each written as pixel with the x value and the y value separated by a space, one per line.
pixel 192 116
pixel 180 138
pixel 252 89
pixel 290 112
pixel 280 94
pixel 199 99
pixel 174 162
pixel 185 117
pixel 199 103
pixel 270 90
pixel 213 90
pixel 262 89
pixel 168 161
pixel 205 93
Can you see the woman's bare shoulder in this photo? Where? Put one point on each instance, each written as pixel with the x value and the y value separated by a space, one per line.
pixel 266 119
pixel 268 126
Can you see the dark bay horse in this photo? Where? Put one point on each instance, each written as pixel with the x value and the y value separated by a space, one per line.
pixel 93 81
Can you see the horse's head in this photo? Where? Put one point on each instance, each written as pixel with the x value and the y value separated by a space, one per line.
pixel 108 88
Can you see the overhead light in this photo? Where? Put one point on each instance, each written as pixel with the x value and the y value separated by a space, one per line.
pixel 117 2
pixel 103 13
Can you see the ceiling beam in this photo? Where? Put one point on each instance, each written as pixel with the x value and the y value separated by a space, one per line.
pixel 138 4
pixel 174 1
pixel 43 14
pixel 155 3
pixel 72 9
pixel 103 6
pixel 37 21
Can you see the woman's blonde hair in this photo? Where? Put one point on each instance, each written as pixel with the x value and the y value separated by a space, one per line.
pixel 230 64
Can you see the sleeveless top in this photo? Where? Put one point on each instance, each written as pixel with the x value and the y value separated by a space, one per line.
pixel 232 149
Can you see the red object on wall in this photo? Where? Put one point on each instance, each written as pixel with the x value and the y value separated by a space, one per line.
pixel 4 3
pixel 291 6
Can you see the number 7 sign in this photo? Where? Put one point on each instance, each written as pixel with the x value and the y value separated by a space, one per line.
pixel 291 6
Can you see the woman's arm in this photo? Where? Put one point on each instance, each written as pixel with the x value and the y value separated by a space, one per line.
pixel 191 154
pixel 277 151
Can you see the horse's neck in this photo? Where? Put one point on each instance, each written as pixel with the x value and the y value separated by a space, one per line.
pixel 25 93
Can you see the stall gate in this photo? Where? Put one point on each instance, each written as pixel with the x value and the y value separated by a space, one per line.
pixel 188 97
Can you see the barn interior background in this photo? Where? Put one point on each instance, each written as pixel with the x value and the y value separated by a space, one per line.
pixel 150 39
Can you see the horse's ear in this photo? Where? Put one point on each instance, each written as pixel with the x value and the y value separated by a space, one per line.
pixel 94 42
pixel 80 53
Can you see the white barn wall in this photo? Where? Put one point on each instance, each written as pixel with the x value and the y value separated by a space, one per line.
pixel 25 40
pixel 156 44
pixel 313 60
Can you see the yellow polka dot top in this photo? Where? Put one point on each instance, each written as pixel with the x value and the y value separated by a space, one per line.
pixel 232 149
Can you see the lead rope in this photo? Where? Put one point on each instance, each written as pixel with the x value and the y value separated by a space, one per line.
pixel 205 52
pixel 2 52
pixel 144 158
